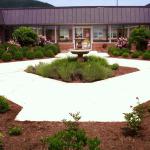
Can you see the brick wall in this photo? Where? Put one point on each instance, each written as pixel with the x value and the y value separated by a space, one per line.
pixel 65 46
pixel 101 46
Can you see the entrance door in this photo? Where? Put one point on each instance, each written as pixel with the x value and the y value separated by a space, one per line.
pixel 82 38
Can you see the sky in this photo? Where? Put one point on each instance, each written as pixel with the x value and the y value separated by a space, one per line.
pixel 97 2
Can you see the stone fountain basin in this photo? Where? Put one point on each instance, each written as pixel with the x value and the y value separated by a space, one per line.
pixel 80 51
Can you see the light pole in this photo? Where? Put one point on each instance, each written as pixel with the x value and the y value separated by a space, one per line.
pixel 117 2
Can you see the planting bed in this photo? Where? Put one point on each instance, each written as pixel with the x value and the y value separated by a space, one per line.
pixel 110 133
pixel 71 70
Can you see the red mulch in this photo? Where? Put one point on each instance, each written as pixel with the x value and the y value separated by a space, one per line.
pixel 110 133
pixel 124 70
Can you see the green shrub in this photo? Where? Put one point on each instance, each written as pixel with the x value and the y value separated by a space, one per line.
pixel 30 55
pixel 134 121
pixel 123 50
pixel 125 55
pixel 18 55
pixel 114 51
pixel 52 47
pixel 30 69
pixel 49 53
pixel 25 36
pixel 38 54
pixel 1 142
pixel 135 54
pixel 114 66
pixel 6 56
pixel 24 50
pixel 140 37
pixel 1 52
pixel 72 138
pixel 4 106
pixel 13 49
pixel 146 55
pixel 15 131
pixel 69 69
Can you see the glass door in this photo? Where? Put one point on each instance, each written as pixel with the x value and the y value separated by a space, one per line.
pixel 82 38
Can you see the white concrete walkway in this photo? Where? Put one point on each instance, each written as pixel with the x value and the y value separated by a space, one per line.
pixel 45 99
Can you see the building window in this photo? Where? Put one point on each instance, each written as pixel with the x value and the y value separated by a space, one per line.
pixel 100 33
pixel 38 30
pixel 50 33
pixel 65 34
pixel 118 31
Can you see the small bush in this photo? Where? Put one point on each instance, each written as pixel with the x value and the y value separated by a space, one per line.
pixel 114 51
pixel 18 55
pixel 49 53
pixel 4 106
pixel 1 52
pixel 25 36
pixel 135 54
pixel 7 56
pixel 134 121
pixel 24 50
pixel 72 138
pixel 38 54
pixel 30 69
pixel 30 55
pixel 146 55
pixel 13 49
pixel 114 66
pixel 15 131
pixel 52 47
pixel 125 55
pixel 140 37
pixel 1 142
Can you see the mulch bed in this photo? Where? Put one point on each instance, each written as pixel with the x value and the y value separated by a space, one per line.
pixel 110 133
pixel 124 70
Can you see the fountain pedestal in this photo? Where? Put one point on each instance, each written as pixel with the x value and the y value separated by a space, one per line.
pixel 80 54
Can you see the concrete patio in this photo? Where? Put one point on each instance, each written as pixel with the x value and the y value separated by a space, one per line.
pixel 45 99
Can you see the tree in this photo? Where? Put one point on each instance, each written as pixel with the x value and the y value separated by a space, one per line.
pixel 25 36
pixel 140 37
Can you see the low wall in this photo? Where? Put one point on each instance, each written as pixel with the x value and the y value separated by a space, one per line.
pixel 95 46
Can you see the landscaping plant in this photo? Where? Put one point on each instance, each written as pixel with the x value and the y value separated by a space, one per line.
pixel 6 56
pixel 4 106
pixel 72 138
pixel 134 119
pixel 30 55
pixel 114 66
pixel 140 37
pixel 18 55
pixel 1 141
pixel 25 36
pixel 15 131
pixel 146 55
pixel 136 54
pixel 69 69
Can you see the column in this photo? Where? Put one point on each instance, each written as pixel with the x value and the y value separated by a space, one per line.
pixel 73 36
pixel 91 37
pixel 109 32
pixel 55 34
pixel 128 32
